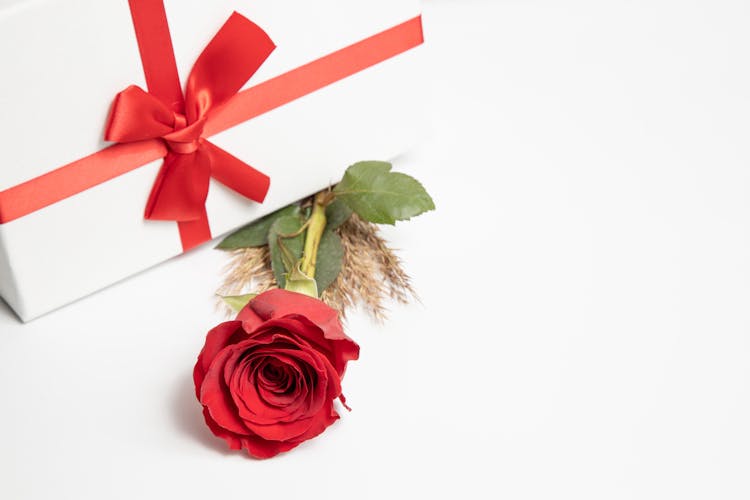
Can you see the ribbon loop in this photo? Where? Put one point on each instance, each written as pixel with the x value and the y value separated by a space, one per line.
pixel 232 56
pixel 137 116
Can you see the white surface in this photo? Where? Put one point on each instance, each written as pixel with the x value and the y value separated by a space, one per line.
pixel 585 281
pixel 373 114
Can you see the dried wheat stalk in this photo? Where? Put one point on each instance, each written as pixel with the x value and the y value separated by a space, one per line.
pixel 371 272
pixel 248 271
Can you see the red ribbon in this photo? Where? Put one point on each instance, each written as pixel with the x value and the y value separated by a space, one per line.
pixel 161 123
pixel 225 65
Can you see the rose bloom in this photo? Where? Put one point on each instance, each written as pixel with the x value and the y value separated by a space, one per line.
pixel 268 379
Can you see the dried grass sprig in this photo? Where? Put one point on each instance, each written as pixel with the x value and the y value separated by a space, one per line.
pixel 371 272
pixel 248 271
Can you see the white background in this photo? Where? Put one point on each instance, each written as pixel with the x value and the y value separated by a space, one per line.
pixel 585 285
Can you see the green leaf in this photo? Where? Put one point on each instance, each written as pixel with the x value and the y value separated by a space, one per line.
pixel 297 281
pixel 337 213
pixel 330 257
pixel 285 252
pixel 378 195
pixel 255 234
pixel 238 302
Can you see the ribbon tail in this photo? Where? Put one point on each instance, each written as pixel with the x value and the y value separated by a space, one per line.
pixel 194 232
pixel 236 174
pixel 181 188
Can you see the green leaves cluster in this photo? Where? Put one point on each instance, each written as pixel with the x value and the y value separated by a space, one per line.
pixel 370 189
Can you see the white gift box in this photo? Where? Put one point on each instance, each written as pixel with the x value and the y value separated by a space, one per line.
pixel 62 65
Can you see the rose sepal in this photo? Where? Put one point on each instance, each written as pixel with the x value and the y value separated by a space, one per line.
pixel 297 281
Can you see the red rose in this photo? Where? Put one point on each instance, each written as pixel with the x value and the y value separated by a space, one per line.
pixel 267 380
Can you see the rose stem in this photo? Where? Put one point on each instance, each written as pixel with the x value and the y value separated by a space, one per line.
pixel 316 224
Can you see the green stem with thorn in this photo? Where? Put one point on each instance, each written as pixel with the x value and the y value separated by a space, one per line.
pixel 316 224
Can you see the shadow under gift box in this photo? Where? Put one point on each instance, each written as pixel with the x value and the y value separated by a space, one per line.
pixel 64 62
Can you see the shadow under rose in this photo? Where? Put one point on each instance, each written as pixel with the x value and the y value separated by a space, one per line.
pixel 188 417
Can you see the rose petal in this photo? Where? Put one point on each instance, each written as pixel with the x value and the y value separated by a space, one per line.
pixel 278 303
pixel 231 438
pixel 248 316
pixel 320 422
pixel 334 385
pixel 314 367
pixel 246 395
pixel 338 351
pixel 258 447
pixel 268 421
pixel 254 410
pixel 214 395
pixel 282 431
pixel 216 340
pixel 245 400
pixel 276 381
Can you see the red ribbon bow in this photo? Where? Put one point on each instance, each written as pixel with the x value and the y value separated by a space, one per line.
pixel 225 65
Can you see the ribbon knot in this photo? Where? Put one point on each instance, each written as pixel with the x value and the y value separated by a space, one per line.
pixel 179 193
pixel 185 139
